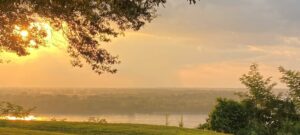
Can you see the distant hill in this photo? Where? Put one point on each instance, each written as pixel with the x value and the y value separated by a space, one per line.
pixel 117 101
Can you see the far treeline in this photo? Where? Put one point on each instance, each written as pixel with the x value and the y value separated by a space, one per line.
pixel 260 111
pixel 115 101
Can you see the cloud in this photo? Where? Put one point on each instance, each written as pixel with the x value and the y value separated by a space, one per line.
pixel 273 51
pixel 223 74
pixel 292 40
pixel 218 39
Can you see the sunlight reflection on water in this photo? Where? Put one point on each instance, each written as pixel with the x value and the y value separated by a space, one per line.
pixel 189 120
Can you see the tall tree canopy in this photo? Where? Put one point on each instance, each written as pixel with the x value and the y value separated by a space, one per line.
pixel 86 24
pixel 260 111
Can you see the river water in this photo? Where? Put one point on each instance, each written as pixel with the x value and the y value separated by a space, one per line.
pixel 189 120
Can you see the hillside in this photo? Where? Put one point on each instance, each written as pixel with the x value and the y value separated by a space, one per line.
pixel 66 128
pixel 15 131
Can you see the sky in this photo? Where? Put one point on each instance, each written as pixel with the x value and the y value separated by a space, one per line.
pixel 207 45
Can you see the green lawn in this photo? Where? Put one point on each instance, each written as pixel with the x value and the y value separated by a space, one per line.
pixel 15 131
pixel 81 128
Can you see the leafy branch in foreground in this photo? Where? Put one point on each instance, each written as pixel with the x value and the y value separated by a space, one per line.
pixel 90 24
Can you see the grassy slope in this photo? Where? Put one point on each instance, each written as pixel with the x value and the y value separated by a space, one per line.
pixel 15 131
pixel 96 129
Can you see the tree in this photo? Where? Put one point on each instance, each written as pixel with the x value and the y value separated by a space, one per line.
pixel 260 111
pixel 87 24
pixel 259 89
pixel 262 104
pixel 9 109
pixel 292 80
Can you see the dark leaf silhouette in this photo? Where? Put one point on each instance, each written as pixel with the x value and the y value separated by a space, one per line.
pixel 86 24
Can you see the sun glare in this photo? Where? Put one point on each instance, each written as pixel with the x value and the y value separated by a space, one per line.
pixel 40 26
pixel 24 33
pixel 32 43
pixel 52 41
pixel 27 118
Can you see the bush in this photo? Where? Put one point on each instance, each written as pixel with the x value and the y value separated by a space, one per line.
pixel 254 127
pixel 204 126
pixel 290 128
pixel 228 116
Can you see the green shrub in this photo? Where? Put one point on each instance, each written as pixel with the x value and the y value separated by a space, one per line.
pixel 228 116
pixel 290 128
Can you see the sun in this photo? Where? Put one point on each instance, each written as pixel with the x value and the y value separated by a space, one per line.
pixel 38 38
pixel 24 33
pixel 37 26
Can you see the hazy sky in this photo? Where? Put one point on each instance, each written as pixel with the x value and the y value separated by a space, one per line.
pixel 209 44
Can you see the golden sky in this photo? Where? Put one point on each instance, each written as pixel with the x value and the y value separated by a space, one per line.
pixel 209 44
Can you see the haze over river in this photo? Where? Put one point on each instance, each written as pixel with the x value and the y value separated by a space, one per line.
pixel 142 106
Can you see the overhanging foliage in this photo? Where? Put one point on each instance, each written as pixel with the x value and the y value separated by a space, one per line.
pixel 90 24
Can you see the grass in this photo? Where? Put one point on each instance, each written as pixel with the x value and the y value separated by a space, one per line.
pixel 15 131
pixel 84 128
